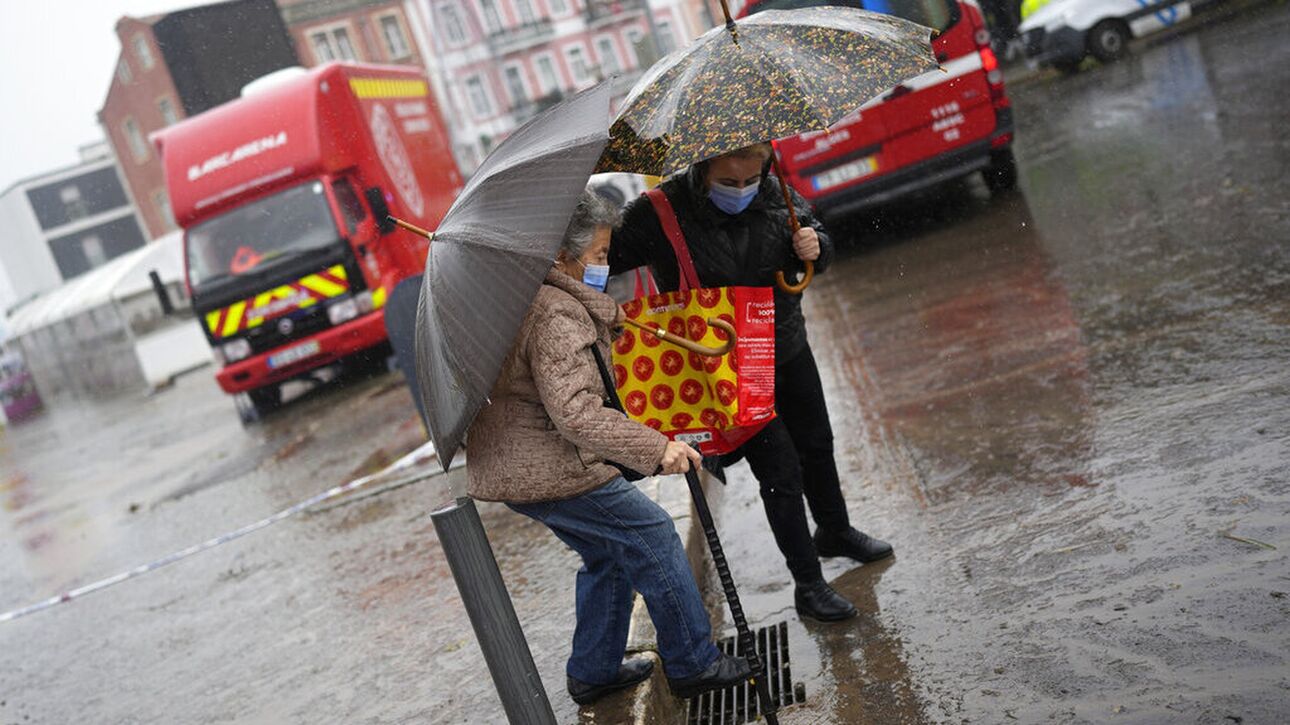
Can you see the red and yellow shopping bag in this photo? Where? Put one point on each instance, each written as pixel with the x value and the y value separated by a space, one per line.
pixel 712 403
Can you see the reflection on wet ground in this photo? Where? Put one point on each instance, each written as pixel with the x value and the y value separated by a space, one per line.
pixel 1055 403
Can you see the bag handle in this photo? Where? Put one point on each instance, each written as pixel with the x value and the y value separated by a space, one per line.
pixel 611 390
pixel 689 278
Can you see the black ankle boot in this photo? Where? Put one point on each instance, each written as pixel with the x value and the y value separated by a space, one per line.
pixel 817 600
pixel 851 543
pixel 726 671
pixel 630 672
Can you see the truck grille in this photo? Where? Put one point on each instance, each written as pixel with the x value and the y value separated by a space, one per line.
pixel 303 324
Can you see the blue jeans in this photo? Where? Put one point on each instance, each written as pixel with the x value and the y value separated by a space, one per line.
pixel 627 542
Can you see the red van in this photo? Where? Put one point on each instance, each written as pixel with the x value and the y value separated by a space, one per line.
pixel 930 129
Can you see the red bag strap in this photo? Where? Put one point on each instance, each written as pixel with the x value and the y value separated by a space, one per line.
pixel 667 217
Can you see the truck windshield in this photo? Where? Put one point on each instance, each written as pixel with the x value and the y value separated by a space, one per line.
pixel 937 14
pixel 254 237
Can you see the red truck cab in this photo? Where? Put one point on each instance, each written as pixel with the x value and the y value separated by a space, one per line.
pixel 932 128
pixel 283 196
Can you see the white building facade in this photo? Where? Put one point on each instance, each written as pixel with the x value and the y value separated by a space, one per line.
pixel 495 63
pixel 60 224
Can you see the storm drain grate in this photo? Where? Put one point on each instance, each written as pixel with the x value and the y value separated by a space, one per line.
pixel 738 704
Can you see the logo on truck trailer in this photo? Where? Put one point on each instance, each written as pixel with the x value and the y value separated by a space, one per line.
pixel 394 157
pixel 245 151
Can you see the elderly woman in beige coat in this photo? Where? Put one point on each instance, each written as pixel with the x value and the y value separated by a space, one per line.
pixel 543 446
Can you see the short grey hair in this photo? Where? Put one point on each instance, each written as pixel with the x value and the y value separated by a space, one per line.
pixel 593 211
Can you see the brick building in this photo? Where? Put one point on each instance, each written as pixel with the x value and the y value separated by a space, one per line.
pixel 176 65
pixel 366 31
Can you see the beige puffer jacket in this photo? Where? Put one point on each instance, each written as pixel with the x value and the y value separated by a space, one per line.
pixel 545 433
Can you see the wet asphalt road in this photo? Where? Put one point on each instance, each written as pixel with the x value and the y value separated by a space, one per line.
pixel 1052 402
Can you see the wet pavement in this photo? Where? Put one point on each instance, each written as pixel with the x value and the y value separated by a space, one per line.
pixel 1055 403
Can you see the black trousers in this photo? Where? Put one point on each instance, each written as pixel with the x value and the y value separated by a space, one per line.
pixel 792 458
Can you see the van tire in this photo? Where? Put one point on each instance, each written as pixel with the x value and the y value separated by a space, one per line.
pixel 1001 174
pixel 1109 40
pixel 254 405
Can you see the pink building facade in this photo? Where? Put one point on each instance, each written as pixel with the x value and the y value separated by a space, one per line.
pixel 495 63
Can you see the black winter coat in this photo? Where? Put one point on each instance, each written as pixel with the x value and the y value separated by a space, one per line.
pixel 744 249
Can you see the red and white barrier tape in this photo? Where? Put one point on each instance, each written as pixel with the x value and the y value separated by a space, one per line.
pixel 418 456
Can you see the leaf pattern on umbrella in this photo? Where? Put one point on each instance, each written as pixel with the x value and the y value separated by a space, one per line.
pixel 787 72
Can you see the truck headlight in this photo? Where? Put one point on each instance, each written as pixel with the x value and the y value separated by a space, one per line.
pixel 342 311
pixel 365 304
pixel 235 350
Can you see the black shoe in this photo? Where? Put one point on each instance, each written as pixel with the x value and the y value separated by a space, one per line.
pixel 855 544
pixel 726 671
pixel 630 672
pixel 817 600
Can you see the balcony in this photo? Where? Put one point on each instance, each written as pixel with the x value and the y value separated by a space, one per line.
pixel 519 37
pixel 599 11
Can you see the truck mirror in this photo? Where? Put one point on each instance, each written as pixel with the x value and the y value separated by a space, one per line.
pixel 163 295
pixel 376 201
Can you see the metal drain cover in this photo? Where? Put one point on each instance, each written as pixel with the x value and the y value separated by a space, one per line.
pixel 738 704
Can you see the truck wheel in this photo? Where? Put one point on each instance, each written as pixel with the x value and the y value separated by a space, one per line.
pixel 264 400
pixel 1001 174
pixel 1109 40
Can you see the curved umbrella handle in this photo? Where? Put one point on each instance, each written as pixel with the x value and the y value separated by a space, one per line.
pixel 780 279
pixel 689 344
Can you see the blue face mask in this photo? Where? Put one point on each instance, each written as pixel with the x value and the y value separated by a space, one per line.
pixel 730 199
pixel 595 276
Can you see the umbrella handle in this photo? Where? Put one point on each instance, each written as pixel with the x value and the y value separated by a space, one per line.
pixel 411 227
pixel 794 224
pixel 689 344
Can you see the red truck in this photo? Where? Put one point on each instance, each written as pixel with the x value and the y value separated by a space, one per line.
pixel 283 196
pixel 936 127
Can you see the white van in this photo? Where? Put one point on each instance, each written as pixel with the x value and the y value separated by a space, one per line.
pixel 1062 32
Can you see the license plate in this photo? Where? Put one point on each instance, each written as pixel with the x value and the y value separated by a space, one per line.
pixel 844 173
pixel 294 354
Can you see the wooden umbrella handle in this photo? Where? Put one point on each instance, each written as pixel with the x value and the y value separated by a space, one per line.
pixel 411 227
pixel 780 279
pixel 689 344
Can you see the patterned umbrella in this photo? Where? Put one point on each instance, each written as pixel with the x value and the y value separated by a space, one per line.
pixel 775 74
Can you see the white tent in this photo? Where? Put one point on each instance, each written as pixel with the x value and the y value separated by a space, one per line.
pixel 104 332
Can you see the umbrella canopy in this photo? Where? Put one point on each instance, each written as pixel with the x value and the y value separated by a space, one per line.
pixel 490 253
pixel 775 74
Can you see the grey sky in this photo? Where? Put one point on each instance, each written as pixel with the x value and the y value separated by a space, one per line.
pixel 56 60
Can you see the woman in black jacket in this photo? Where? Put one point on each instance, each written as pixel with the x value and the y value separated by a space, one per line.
pixel 735 223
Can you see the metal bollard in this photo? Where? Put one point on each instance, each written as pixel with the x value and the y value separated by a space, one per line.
pixel 465 545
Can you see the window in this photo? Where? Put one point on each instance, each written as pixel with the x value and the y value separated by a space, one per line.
pixel 492 18
pixel 634 39
pixel 73 203
pixel 133 136
pixel 395 42
pixel 666 41
pixel 936 14
pixel 123 71
pixel 577 63
pixel 515 85
pixel 608 58
pixel 351 209
pixel 558 7
pixel 143 51
pixel 479 102
pixel 92 247
pixel 524 8
pixel 332 44
pixel 161 201
pixel 453 29
pixel 168 115
pixel 547 77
